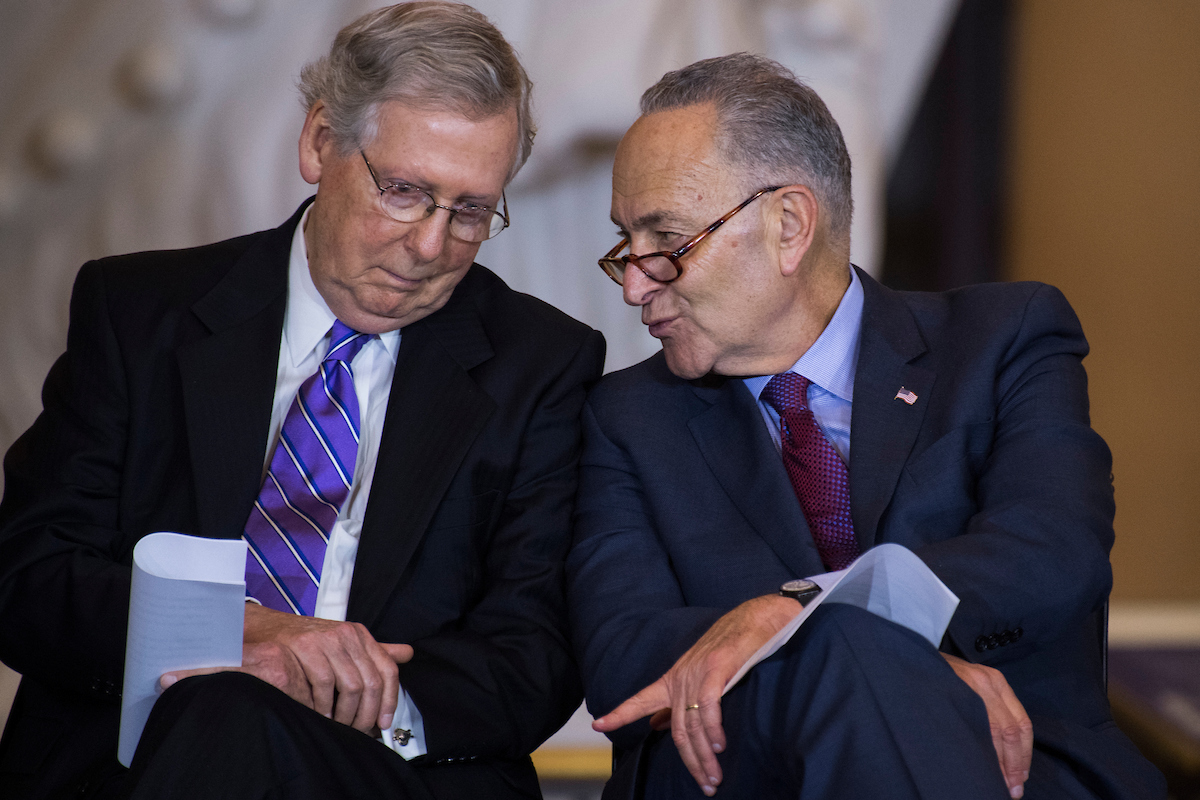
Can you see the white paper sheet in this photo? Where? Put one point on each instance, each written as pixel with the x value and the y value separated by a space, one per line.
pixel 888 580
pixel 186 611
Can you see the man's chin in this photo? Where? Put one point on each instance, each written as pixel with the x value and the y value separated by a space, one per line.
pixel 684 364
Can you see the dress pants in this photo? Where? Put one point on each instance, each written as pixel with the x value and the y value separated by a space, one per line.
pixel 232 736
pixel 852 707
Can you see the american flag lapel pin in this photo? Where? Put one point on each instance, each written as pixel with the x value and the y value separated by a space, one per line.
pixel 906 396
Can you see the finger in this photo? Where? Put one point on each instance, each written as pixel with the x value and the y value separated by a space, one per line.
pixel 350 685
pixel 642 704
pixel 682 736
pixel 321 680
pixel 710 713
pixel 1017 742
pixel 702 744
pixel 169 679
pixel 389 681
pixel 380 687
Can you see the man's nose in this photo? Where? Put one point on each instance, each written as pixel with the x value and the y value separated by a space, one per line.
pixel 638 287
pixel 428 236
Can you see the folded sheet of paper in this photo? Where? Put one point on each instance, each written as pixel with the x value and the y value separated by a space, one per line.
pixel 186 611
pixel 890 581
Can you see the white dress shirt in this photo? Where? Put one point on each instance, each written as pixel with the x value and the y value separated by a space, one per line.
pixel 305 340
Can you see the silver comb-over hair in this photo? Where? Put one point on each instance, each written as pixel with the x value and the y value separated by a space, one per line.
pixel 429 54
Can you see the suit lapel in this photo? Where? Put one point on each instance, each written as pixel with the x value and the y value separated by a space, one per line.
pixel 435 412
pixel 883 428
pixel 229 382
pixel 737 448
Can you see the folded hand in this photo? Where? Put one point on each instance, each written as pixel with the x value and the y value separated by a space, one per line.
pixel 335 668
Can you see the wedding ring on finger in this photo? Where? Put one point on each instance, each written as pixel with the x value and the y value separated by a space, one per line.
pixel 691 706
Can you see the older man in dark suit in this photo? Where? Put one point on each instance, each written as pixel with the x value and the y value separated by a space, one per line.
pixel 798 415
pixel 391 428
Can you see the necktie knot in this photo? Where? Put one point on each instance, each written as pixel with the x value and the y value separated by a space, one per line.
pixel 344 342
pixel 787 391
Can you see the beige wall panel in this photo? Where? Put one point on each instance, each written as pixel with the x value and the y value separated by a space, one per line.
pixel 1105 198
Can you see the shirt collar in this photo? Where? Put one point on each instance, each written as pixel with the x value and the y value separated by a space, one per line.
pixel 833 358
pixel 307 320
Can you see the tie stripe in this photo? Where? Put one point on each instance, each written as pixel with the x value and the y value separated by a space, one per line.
pixel 308 480
pixel 289 448
pixel 322 438
pixel 292 545
pixel 280 596
pixel 287 501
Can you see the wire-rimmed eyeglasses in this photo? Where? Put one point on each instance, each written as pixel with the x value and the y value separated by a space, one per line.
pixel 404 202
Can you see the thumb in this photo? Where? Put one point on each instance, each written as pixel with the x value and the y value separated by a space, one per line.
pixel 400 653
pixel 168 679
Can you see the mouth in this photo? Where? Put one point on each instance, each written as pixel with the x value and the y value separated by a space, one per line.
pixel 660 327
pixel 398 281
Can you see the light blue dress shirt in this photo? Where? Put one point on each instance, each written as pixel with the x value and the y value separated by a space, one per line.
pixel 829 364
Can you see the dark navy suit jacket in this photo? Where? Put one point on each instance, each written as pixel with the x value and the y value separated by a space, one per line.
pixel 993 477
pixel 157 418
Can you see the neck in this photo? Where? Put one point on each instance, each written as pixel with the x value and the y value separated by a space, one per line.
pixel 806 318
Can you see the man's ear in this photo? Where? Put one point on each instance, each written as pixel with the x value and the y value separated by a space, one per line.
pixel 800 213
pixel 316 143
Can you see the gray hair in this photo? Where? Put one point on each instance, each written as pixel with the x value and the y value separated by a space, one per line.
pixel 429 54
pixel 768 122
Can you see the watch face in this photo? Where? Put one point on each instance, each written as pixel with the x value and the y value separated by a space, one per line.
pixel 801 590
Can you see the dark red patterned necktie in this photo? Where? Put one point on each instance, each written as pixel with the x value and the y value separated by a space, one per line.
pixel 817 472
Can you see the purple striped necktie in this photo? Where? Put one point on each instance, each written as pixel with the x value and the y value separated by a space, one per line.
pixel 308 480
pixel 818 474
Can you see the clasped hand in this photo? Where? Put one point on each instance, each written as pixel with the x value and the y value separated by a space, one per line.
pixel 335 668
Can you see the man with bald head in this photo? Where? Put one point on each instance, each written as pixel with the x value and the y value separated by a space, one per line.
pixel 392 430
pixel 799 414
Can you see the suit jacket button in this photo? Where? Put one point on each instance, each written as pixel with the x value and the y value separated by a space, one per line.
pixel 1017 633
pixel 981 643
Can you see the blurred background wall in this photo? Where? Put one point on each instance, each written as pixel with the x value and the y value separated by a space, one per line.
pixel 1104 202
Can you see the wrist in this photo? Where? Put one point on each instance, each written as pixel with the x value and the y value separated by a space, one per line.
pixel 778 610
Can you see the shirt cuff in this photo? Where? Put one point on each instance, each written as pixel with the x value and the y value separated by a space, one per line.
pixel 406 736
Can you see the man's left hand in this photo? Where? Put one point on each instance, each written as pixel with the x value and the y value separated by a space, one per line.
pixel 691 690
pixel 1012 732
pixel 335 668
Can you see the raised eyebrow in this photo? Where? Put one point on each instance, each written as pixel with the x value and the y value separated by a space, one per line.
pixel 652 220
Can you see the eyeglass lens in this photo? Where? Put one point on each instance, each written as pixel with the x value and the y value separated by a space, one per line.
pixel 470 223
pixel 660 268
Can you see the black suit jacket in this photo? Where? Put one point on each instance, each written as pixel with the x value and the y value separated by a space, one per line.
pixel 157 417
pixel 993 477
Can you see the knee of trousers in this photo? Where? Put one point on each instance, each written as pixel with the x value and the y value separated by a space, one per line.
pixel 835 630
pixel 846 660
pixel 235 694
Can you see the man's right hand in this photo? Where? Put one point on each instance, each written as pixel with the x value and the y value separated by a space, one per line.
pixel 688 698
pixel 335 668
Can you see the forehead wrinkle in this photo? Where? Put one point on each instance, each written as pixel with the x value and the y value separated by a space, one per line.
pixel 686 190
